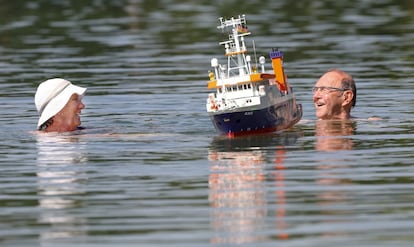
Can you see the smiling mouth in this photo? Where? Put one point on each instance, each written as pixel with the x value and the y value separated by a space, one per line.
pixel 319 104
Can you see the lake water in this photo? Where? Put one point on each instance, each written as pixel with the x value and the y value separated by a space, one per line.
pixel 150 170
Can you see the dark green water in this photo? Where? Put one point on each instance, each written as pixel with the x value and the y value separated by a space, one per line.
pixel 150 169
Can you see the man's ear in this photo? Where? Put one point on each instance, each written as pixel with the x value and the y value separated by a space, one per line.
pixel 348 96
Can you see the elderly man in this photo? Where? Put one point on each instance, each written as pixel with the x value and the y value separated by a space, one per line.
pixel 334 95
pixel 59 104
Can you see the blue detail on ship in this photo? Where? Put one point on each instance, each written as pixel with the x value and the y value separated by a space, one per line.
pixel 276 54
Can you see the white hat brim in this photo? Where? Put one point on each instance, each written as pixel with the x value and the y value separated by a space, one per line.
pixel 58 102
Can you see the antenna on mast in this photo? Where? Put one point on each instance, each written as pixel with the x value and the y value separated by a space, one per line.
pixel 254 51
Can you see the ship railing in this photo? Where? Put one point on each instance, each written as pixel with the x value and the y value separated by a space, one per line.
pixel 230 104
pixel 234 71
pixel 241 20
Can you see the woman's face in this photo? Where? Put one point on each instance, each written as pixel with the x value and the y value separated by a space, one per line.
pixel 68 119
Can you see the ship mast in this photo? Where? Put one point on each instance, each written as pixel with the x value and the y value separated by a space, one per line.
pixel 235 47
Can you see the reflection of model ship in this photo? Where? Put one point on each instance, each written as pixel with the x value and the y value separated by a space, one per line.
pixel 247 101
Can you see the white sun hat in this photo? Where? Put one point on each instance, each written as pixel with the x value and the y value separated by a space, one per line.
pixel 52 95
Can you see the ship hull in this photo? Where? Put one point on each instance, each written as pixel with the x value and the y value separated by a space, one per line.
pixel 246 121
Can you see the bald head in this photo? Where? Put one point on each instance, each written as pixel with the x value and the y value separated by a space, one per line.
pixel 334 95
pixel 347 82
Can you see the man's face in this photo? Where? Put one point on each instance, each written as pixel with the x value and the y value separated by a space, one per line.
pixel 328 96
pixel 68 118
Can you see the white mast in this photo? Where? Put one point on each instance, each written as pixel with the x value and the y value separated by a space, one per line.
pixel 235 47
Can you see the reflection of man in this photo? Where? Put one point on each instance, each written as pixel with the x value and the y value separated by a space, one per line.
pixel 334 95
pixel 334 135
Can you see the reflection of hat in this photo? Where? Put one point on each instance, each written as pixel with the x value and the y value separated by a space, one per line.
pixel 52 95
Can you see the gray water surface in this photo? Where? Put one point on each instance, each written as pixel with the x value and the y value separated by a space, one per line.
pixel 150 170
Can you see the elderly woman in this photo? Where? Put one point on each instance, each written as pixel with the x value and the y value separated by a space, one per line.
pixel 59 104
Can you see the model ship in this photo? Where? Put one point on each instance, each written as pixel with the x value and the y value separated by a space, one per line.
pixel 247 99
